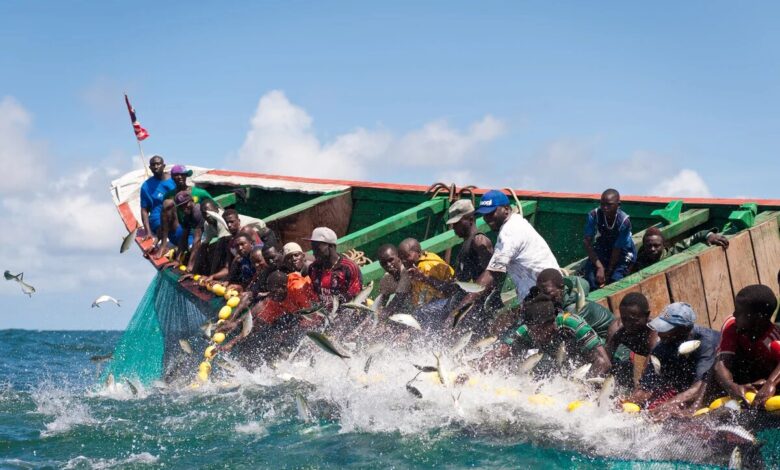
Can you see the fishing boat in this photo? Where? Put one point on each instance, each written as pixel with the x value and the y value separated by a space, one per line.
pixel 365 215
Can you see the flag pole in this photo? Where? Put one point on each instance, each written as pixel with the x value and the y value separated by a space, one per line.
pixel 143 159
pixel 136 129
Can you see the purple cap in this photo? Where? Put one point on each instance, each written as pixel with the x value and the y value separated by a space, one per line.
pixel 182 197
pixel 180 170
pixel 491 201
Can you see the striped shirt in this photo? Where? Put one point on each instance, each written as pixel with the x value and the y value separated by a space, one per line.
pixel 571 329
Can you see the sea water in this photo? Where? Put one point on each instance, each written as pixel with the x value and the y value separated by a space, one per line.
pixel 54 415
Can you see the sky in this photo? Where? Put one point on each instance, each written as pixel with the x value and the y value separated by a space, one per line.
pixel 667 98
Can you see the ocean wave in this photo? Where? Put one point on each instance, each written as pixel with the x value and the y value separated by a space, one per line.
pixel 143 458
pixel 63 405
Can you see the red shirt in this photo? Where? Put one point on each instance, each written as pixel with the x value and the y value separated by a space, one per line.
pixel 757 351
pixel 300 295
pixel 343 279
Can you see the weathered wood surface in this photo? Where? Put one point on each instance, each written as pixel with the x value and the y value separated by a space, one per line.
pixel 657 293
pixel 333 212
pixel 614 299
pixel 741 261
pixel 685 285
pixel 717 285
pixel 766 247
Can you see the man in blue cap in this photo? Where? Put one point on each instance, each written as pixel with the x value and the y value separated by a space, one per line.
pixel 520 252
pixel 675 377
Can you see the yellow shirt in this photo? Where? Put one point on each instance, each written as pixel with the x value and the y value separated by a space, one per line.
pixel 432 266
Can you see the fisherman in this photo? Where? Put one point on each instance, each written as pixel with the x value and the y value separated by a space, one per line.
pixel 210 257
pixel 395 285
pixel 653 247
pixel 192 223
pixel 332 274
pixel 170 216
pixel 429 274
pixel 272 261
pixel 520 251
pixel 224 251
pixel 630 330
pixel 153 193
pixel 674 380
pixel 569 294
pixel 748 358
pixel 608 242
pixel 547 328
pixel 242 268
pixel 295 259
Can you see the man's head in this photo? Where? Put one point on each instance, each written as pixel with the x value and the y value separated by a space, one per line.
pixel 294 258
pixel 323 244
pixel 243 245
pixel 409 251
pixel 550 283
pixel 179 174
pixel 183 200
pixel 675 322
pixel 653 243
pixel 277 286
pixel 753 308
pixel 610 202
pixel 461 217
pixel 209 205
pixel 539 316
pixel 494 207
pixel 634 312
pixel 157 166
pixel 230 216
pixel 257 258
pixel 389 260
pixel 273 256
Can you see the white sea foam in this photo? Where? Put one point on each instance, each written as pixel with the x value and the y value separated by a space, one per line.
pixel 253 427
pixel 143 458
pixel 63 405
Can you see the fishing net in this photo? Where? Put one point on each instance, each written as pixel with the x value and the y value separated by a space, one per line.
pixel 149 349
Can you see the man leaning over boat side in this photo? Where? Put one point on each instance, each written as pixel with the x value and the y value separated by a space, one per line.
pixel 153 192
pixel 520 252
pixel 654 248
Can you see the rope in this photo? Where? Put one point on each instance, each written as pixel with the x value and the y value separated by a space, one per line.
pixel 358 257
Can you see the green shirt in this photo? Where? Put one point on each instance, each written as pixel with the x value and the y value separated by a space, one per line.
pixel 198 195
pixel 596 315
pixel 573 330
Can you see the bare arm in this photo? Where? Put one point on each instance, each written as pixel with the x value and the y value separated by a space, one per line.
pixel 726 379
pixel 613 261
pixel 613 340
pixel 196 241
pixel 600 363
pixel 768 389
pixel 147 225
pixel 587 242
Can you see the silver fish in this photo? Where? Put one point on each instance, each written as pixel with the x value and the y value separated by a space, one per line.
pixel 325 344
pixel 103 299
pixel 413 390
pixel 26 288
pixel 185 346
pixel 735 461
pixel 462 343
pixel 10 277
pixel 528 365
pixel 207 329
pixel 364 308
pixel 737 431
pixel 581 297
pixel 363 295
pixel 656 363
pixel 406 320
pixel 595 380
pixel 581 372
pixel 485 342
pixel 133 389
pixel 368 363
pixel 222 228
pixel 304 412
pixel 689 347
pixel 607 390
pixel 470 287
pixel 246 325
pixel 444 376
pixel 459 314
pixel 335 305
pixel 560 354
pixel 426 369
pixel 128 240
pixel 103 358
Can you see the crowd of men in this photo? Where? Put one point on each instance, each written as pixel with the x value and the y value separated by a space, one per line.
pixel 286 290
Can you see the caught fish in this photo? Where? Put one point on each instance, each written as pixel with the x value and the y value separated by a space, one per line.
pixel 103 358
pixel 325 344
pixel 470 287
pixel 737 431
pixel 460 313
pixel 207 329
pixel 595 380
pixel 581 297
pixel 132 387
pixel 406 320
pixel 581 372
pixel 485 342
pixel 246 325
pixel 607 390
pixel 735 461
pixel 689 347
pixel 185 346
pixel 368 363
pixel 222 228
pixel 304 412
pixel 656 364
pixel 413 390
pixel 426 369
pixel 103 299
pixel 366 309
pixel 444 376
pixel 462 343
pixel 128 240
pixel 110 380
pixel 363 295
pixel 560 354
pixel 335 306
pixel 528 365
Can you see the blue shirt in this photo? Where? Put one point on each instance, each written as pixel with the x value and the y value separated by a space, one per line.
pixel 681 372
pixel 609 236
pixel 153 193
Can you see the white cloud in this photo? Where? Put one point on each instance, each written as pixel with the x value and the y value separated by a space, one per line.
pixel 20 157
pixel 282 140
pixel 686 183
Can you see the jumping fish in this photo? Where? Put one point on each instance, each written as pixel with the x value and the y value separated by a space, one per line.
pixel 470 287
pixel 325 344
pixel 581 372
pixel 372 351
pixel 406 320
pixel 304 412
pixel 735 461
pixel 607 389
pixel 413 390
pixel 460 313
pixel 103 299
pixel 363 295
pixel 444 376
pixel 185 346
pixel 530 363
pixel 560 354
pixel 462 343
pixel 132 387
pixel 128 240
pixel 246 325
pixel 103 358
pixel 689 347
pixel 110 380
pixel 222 228
pixel 485 342
pixel 335 305
pixel 26 288
pixel 426 369
pixel 656 364
pixel 581 298
pixel 595 380
pixel 207 329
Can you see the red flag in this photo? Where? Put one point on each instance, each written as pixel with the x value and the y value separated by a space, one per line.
pixel 140 132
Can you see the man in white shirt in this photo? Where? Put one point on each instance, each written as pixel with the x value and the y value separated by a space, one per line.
pixel 520 251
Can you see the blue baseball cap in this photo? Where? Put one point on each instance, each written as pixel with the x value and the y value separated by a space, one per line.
pixel 491 201
pixel 673 315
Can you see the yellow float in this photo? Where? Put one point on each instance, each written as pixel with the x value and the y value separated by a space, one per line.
pixel 225 312
pixel 230 294
pixel 539 399
pixel 196 277
pixel 749 397
pixel 218 337
pixel 218 290
pixel 573 406
pixel 701 411
pixel 718 402
pixel 205 366
pixel 210 352
pixel 182 268
pixel 233 302
pixel 629 407
pixel 773 404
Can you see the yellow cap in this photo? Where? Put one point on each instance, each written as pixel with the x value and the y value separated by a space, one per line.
pixel 225 312
pixel 218 337
pixel 233 302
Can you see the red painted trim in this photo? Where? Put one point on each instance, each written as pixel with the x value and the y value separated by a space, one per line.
pixel 520 193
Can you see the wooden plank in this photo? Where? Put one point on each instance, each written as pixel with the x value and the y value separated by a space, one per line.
pixel 741 261
pixel 717 285
pixel 657 292
pixel 685 285
pixel 605 303
pixel 766 247
pixel 614 299
pixel 392 224
pixel 333 212
pixel 304 206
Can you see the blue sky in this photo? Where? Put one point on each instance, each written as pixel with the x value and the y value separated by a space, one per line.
pixel 677 98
